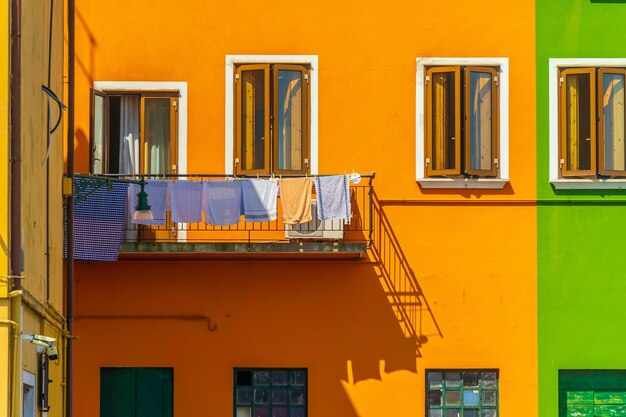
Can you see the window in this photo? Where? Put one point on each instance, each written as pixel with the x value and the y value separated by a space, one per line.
pixel 272 119
pixel 136 392
pixel 592 393
pixel 270 392
pixel 462 393
pixel 133 132
pixel 591 122
pixel 461 121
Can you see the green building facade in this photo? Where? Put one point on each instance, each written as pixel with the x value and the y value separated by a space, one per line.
pixel 581 219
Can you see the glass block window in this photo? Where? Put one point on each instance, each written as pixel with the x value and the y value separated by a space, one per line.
pixel 270 392
pixel 462 393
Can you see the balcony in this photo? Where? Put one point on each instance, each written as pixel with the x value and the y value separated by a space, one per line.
pixel 317 239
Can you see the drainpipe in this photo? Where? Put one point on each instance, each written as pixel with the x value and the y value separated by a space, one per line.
pixel 16 143
pixel 69 287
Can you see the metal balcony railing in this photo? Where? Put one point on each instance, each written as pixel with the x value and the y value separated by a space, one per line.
pixel 358 229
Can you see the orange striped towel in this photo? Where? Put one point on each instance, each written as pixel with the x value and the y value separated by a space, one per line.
pixel 295 197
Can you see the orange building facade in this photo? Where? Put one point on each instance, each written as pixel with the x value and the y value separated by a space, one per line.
pixel 446 282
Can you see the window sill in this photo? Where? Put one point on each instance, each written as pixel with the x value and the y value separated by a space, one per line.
pixel 589 184
pixel 463 183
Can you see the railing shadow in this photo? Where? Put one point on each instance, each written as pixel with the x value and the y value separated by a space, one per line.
pixel 405 295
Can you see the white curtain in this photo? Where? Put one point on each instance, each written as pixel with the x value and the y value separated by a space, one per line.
pixel 129 134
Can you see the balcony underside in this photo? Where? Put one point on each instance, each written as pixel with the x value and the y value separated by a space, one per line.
pixel 243 250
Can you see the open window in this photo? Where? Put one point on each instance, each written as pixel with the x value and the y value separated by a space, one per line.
pixel 272 131
pixel 133 132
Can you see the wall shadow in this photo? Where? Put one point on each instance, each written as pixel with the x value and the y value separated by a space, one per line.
pixel 401 286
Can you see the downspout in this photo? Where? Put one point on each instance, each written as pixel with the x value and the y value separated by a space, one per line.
pixel 69 287
pixel 16 143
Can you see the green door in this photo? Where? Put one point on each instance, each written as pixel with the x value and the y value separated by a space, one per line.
pixel 136 392
pixel 592 393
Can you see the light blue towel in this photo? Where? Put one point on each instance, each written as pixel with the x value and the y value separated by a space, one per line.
pixel 158 196
pixel 186 201
pixel 221 202
pixel 333 197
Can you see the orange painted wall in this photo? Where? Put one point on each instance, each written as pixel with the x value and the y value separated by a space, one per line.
pixel 475 263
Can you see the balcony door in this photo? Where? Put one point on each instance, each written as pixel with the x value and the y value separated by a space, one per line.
pixel 135 133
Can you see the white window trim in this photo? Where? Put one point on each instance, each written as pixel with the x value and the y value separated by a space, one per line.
pixel 231 61
pixel 574 183
pixel 181 88
pixel 493 183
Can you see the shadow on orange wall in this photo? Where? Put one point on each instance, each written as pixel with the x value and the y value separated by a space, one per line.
pixel 399 283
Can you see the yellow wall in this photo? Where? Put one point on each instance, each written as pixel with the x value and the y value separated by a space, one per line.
pixel 475 264
pixel 4 209
pixel 43 299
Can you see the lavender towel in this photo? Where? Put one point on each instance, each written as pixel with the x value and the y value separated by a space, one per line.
pixel 186 201
pixel 333 197
pixel 259 200
pixel 221 202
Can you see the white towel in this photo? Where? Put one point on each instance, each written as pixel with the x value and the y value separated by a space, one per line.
pixel 259 200
pixel 221 202
pixel 157 199
pixel 333 197
pixel 186 201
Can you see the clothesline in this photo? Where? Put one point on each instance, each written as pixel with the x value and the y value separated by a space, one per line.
pixel 223 202
pixel 370 174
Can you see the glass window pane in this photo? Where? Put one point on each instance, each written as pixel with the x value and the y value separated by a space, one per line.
pixel 453 397
pixel 488 379
pixel 244 395
pixel 435 413
pixel 435 379
pixel 261 412
pixel 261 377
pixel 280 412
pixel 298 412
pixel 470 397
pixel 298 377
pixel 480 117
pixel 252 123
pixel 470 379
pixel 280 377
pixel 98 135
pixel 470 412
pixel 244 412
pixel 261 396
pixel 296 396
pixel 613 106
pixel 578 121
pixel 453 412
pixel 434 397
pixel 489 413
pixel 280 396
pixel 488 397
pixel 157 135
pixel 453 379
pixel 244 378
pixel 443 121
pixel 290 118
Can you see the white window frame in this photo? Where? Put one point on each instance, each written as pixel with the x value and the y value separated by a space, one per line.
pixel 503 173
pixel 229 128
pixel 554 64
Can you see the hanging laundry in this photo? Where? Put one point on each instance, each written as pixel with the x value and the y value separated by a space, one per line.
pixel 295 198
pixel 333 197
pixel 186 201
pixel 158 199
pixel 98 220
pixel 221 202
pixel 259 200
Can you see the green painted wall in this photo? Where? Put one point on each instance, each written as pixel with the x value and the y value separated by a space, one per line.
pixel 581 250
